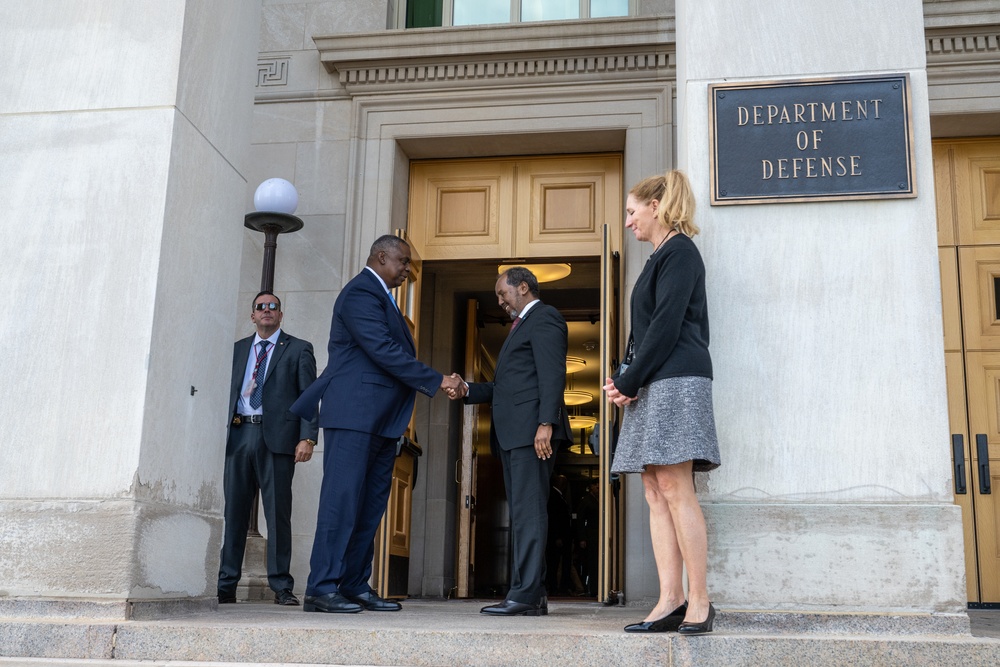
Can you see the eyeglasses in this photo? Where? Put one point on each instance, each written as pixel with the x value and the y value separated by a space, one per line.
pixel 266 306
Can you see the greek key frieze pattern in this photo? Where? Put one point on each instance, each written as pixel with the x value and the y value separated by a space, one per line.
pixel 272 72
pixel 514 70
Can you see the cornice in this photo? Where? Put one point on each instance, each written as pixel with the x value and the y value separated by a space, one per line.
pixel 962 43
pixel 960 13
pixel 502 55
pixel 960 54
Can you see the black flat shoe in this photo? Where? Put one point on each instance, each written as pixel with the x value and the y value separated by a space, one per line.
pixel 668 623
pixel 286 598
pixel 372 602
pixel 511 608
pixel 331 603
pixel 702 628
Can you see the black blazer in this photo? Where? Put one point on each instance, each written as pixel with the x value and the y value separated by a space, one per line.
pixel 528 385
pixel 291 370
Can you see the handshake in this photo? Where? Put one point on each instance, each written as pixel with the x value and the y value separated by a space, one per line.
pixel 454 386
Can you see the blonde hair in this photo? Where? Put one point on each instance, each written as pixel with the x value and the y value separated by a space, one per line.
pixel 676 200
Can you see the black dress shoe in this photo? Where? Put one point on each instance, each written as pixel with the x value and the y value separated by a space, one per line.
pixel 226 598
pixel 511 608
pixel 668 623
pixel 372 602
pixel 286 597
pixel 702 628
pixel 331 603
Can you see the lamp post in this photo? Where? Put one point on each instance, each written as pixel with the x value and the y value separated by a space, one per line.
pixel 275 200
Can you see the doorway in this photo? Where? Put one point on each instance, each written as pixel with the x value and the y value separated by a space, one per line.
pixel 482 526
pixel 465 217
pixel 967 187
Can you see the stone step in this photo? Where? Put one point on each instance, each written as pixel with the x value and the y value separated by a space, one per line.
pixel 454 633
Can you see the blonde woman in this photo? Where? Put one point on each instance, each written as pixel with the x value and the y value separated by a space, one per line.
pixel 665 388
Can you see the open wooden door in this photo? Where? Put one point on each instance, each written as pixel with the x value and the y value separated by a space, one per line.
pixel 390 572
pixel 610 561
pixel 465 468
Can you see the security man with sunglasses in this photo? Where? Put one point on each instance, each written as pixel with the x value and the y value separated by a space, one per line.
pixel 270 370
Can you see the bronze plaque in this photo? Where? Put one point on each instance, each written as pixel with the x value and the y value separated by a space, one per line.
pixel 811 140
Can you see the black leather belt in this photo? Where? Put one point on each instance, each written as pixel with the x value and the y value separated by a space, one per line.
pixel 247 419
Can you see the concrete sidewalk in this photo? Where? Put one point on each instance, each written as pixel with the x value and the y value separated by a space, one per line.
pixel 454 633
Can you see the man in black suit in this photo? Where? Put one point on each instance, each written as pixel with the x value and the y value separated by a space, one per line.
pixel 270 370
pixel 367 391
pixel 529 424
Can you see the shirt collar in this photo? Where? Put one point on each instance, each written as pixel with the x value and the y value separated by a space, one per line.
pixel 272 339
pixel 527 307
pixel 379 278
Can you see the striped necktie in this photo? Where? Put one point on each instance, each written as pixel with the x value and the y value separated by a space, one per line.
pixel 257 395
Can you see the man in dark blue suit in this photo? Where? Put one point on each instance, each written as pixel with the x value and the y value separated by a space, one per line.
pixel 367 392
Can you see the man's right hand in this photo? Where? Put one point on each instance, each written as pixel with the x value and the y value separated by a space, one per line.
pixel 454 386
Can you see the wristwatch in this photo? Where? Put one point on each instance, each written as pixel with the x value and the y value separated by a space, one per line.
pixel 310 442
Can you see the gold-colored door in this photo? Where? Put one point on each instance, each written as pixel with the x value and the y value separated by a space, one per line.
pixel 392 541
pixel 611 501
pixel 967 187
pixel 466 469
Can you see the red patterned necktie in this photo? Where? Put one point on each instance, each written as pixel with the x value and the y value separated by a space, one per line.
pixel 517 320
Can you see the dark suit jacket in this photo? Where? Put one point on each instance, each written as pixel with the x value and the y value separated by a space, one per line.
pixel 291 370
pixel 529 381
pixel 372 376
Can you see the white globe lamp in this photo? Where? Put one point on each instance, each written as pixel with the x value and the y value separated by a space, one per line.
pixel 276 195
pixel 275 200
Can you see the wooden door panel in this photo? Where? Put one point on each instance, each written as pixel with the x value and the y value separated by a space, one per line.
pixel 977 191
pixel 611 562
pixel 983 380
pixel 462 209
pixel 979 269
pixel 951 305
pixel 563 203
pixel 944 193
pixel 465 544
pixel 962 474
pixel 400 510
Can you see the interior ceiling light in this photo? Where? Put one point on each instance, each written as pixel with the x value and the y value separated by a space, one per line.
pixel 545 273
pixel 575 364
pixel 576 397
pixel 581 421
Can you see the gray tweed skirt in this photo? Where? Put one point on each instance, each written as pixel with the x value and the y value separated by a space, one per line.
pixel 670 422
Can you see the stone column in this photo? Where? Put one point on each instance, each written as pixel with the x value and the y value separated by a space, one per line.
pixel 125 132
pixel 835 490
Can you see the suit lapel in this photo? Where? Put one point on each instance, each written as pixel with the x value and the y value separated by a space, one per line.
pixel 239 368
pixel 516 332
pixel 279 349
pixel 391 304
pixel 402 322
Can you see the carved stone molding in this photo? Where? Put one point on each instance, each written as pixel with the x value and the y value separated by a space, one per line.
pixel 502 55
pixel 962 41
pixel 975 45
pixel 272 71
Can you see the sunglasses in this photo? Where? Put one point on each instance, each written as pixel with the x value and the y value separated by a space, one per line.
pixel 266 306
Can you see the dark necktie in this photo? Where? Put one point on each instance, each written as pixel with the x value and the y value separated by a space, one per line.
pixel 257 395
pixel 517 320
